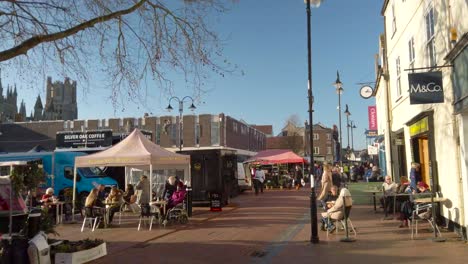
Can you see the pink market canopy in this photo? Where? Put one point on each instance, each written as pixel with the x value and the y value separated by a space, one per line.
pixel 276 156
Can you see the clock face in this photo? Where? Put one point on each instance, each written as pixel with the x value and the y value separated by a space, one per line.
pixel 366 92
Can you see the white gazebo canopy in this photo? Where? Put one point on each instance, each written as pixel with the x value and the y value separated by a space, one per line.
pixel 135 151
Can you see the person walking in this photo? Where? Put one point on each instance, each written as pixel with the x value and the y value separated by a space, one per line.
pixel 326 184
pixel 415 175
pixel 297 177
pixel 258 180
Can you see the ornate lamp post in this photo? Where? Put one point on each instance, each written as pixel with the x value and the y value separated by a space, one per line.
pixel 352 126
pixel 181 110
pixel 339 91
pixel 347 113
pixel 313 201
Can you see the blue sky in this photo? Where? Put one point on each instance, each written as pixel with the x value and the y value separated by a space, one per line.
pixel 267 39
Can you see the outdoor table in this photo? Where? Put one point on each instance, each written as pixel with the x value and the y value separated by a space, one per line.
pixel 373 196
pixel 162 203
pixel 432 200
pixel 429 200
pixel 58 210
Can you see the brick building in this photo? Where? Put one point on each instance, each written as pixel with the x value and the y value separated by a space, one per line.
pixel 199 132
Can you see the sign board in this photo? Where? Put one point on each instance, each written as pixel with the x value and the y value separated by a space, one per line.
pixel 399 142
pixel 84 139
pixel 372 112
pixel 371 133
pixel 372 150
pixel 426 88
pixel 215 202
pixel 419 127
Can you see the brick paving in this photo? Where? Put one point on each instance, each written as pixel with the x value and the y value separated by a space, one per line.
pixel 273 227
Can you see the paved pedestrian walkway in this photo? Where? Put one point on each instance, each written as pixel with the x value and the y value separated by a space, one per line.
pixel 273 227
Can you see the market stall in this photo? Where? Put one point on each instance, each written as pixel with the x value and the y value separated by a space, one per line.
pixel 276 159
pixel 137 153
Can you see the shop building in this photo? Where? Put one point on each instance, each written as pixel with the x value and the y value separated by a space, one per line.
pixel 420 95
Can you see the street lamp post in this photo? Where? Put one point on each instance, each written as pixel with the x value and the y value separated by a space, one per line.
pixel 339 91
pixel 352 126
pixel 181 110
pixel 313 203
pixel 347 113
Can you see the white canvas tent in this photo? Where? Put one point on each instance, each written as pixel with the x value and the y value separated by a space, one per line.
pixel 135 151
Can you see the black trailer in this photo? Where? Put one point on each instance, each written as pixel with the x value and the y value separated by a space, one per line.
pixel 213 171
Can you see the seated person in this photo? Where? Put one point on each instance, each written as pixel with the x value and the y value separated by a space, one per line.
pixel 127 195
pixel 92 200
pixel 178 196
pixel 389 189
pixel 48 197
pixel 169 188
pixel 115 198
pixel 32 199
pixel 331 197
pixel 403 203
pixel 336 211
pixel 47 203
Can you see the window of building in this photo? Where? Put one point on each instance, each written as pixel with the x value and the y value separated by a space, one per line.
pixel 197 134
pixel 329 150
pixel 316 150
pixel 158 134
pixel 173 133
pixel 430 40
pixel 398 75
pixel 411 53
pixel 215 132
pixel 329 136
pixel 316 136
pixel 393 20
pixel 234 126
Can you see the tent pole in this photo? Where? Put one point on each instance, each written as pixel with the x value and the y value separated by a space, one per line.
pixel 151 182
pixel 126 178
pixel 74 193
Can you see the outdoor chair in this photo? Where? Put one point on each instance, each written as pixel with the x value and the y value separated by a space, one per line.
pixel 149 213
pixel 92 217
pixel 420 213
pixel 342 221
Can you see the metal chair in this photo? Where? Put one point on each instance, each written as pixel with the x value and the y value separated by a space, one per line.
pixel 149 213
pixel 420 213
pixel 91 217
pixel 342 221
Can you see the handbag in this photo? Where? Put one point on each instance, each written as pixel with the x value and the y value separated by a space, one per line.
pixel 302 182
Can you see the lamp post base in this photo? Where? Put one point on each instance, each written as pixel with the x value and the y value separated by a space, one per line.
pixel 438 239
pixel 314 240
pixel 347 239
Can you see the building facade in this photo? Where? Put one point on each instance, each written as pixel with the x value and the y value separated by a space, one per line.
pixel 420 92
pixel 199 132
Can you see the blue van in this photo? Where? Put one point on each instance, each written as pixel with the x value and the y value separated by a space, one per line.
pixel 59 166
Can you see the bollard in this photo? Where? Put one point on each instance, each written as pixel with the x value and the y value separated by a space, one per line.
pixel 346 238
pixel 189 202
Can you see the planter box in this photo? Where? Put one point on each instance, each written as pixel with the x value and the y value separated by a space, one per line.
pixel 81 256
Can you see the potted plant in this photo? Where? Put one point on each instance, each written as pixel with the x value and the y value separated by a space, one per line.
pixel 78 251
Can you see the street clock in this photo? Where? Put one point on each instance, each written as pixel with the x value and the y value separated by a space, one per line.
pixel 366 92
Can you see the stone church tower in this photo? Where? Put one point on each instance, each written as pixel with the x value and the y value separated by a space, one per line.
pixel 60 100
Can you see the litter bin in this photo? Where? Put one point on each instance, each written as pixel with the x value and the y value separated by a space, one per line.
pixel 15 250
pixel 34 222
